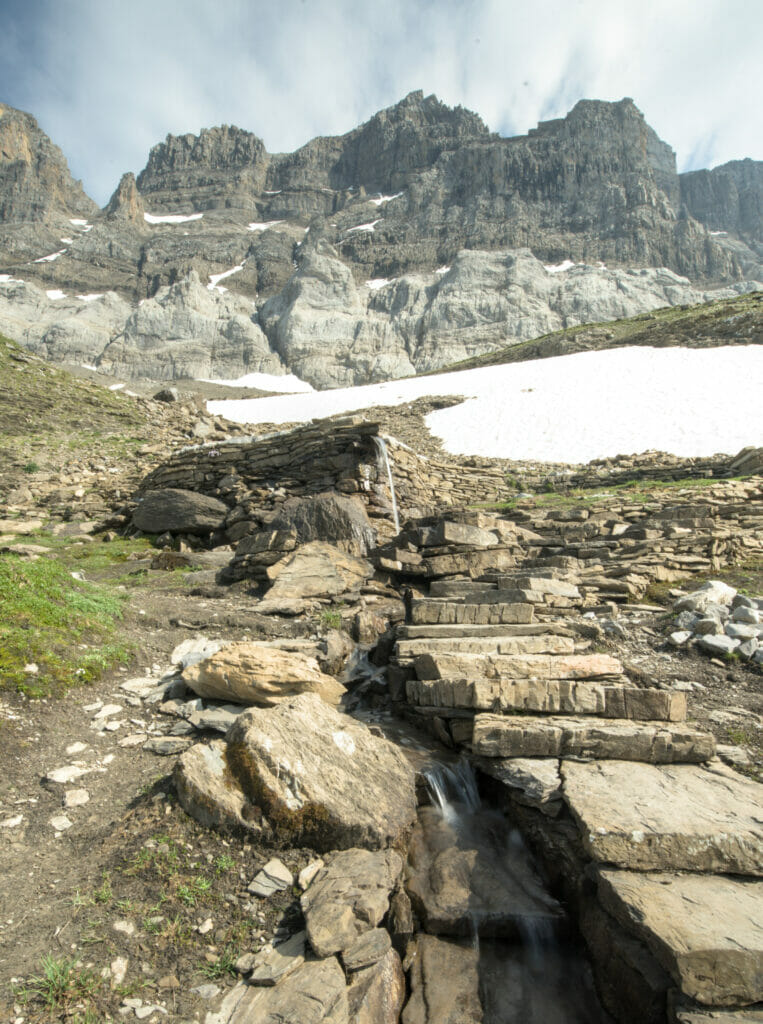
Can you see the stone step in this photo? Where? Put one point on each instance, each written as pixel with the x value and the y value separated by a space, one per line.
pixel 667 818
pixel 618 739
pixel 458 588
pixel 541 584
pixel 552 696
pixel 428 612
pixel 517 666
pixel 706 930
pixel 469 563
pixel 464 629
pixel 545 643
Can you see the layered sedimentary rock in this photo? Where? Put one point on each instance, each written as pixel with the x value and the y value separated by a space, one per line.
pixel 413 241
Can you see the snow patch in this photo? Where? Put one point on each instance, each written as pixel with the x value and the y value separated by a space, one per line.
pixel 53 256
pixel 558 268
pixel 90 298
pixel 115 387
pixel 171 218
pixel 88 366
pixel 365 227
pixel 214 279
pixel 385 199
pixel 379 282
pixel 272 192
pixel 568 408
pixel 55 293
pixel 719 232
pixel 67 241
pixel 78 222
pixel 442 270
pixel 287 383
pixel 263 225
pixel 7 279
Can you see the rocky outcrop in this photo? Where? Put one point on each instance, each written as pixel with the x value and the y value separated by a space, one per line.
pixel 399 247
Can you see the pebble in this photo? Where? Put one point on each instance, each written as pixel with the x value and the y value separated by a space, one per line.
pixel 207 926
pixel 123 926
pixel 118 970
pixel 274 877
pixel 75 798
pixel 60 823
pixel 75 748
pixel 69 773
pixel 12 822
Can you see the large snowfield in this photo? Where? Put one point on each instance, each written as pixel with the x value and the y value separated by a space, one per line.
pixel 690 402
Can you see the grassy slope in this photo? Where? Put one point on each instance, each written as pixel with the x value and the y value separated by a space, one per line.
pixel 723 322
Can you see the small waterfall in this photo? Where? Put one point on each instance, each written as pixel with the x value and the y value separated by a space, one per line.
pixel 381 448
pixel 453 789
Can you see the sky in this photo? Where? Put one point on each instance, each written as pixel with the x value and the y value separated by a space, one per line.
pixel 107 80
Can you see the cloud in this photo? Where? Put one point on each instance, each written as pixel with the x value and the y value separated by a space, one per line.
pixel 107 81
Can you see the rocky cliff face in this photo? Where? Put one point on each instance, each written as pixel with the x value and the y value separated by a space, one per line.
pixel 413 240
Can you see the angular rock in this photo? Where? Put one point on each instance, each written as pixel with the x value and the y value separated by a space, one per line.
pixel 712 592
pixel 535 782
pixel 460 881
pixel 312 993
pixel 207 791
pixel 667 818
pixel 320 777
pixel 547 643
pixel 317 570
pixel 366 950
pixel 706 930
pixel 274 877
pixel 252 673
pixel 525 736
pixel 330 517
pixel 458 533
pixel 516 666
pixel 445 983
pixel 350 896
pixel 428 612
pixel 178 511
pixel 718 645
pixel 376 993
pixel 271 966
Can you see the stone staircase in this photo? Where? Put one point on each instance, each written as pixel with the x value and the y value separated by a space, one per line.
pixel 656 844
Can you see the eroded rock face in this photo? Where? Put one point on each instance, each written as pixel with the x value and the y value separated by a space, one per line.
pixel 252 673
pixel 317 570
pixel 320 777
pixel 175 510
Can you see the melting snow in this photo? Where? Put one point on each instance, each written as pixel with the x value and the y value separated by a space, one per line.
pixel 88 366
pixel 379 282
pixel 263 225
pixel 442 270
pixel 286 382
pixel 53 256
pixel 365 227
pixel 719 232
pixel 271 192
pixel 385 199
pixel 90 298
pixel 67 241
pixel 55 293
pixel 7 279
pixel 214 279
pixel 569 408
pixel 171 218
pixel 559 268
pixel 78 222
pixel 115 387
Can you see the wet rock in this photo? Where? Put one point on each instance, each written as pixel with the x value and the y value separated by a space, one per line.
pixel 445 983
pixel 179 511
pixel 706 930
pixel 350 896
pixel 678 817
pixel 252 673
pixel 458 881
pixel 535 782
pixel 321 777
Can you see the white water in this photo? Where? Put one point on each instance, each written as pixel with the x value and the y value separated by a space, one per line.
pixel 381 447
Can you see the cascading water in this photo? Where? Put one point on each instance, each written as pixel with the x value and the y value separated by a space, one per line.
pixel 383 455
pixel 474 877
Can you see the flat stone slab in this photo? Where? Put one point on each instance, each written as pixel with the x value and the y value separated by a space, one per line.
pixel 618 739
pixel 428 612
pixel 411 632
pixel 702 1016
pixel 706 930
pixel 517 666
pixel 544 643
pixel 553 696
pixel 667 817
pixel 271 966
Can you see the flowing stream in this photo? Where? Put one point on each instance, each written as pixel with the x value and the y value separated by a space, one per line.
pixel 529 969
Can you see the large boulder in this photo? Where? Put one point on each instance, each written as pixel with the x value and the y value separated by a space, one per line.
pixel 317 569
pixel 207 792
pixel 320 777
pixel 328 517
pixel 252 673
pixel 175 510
